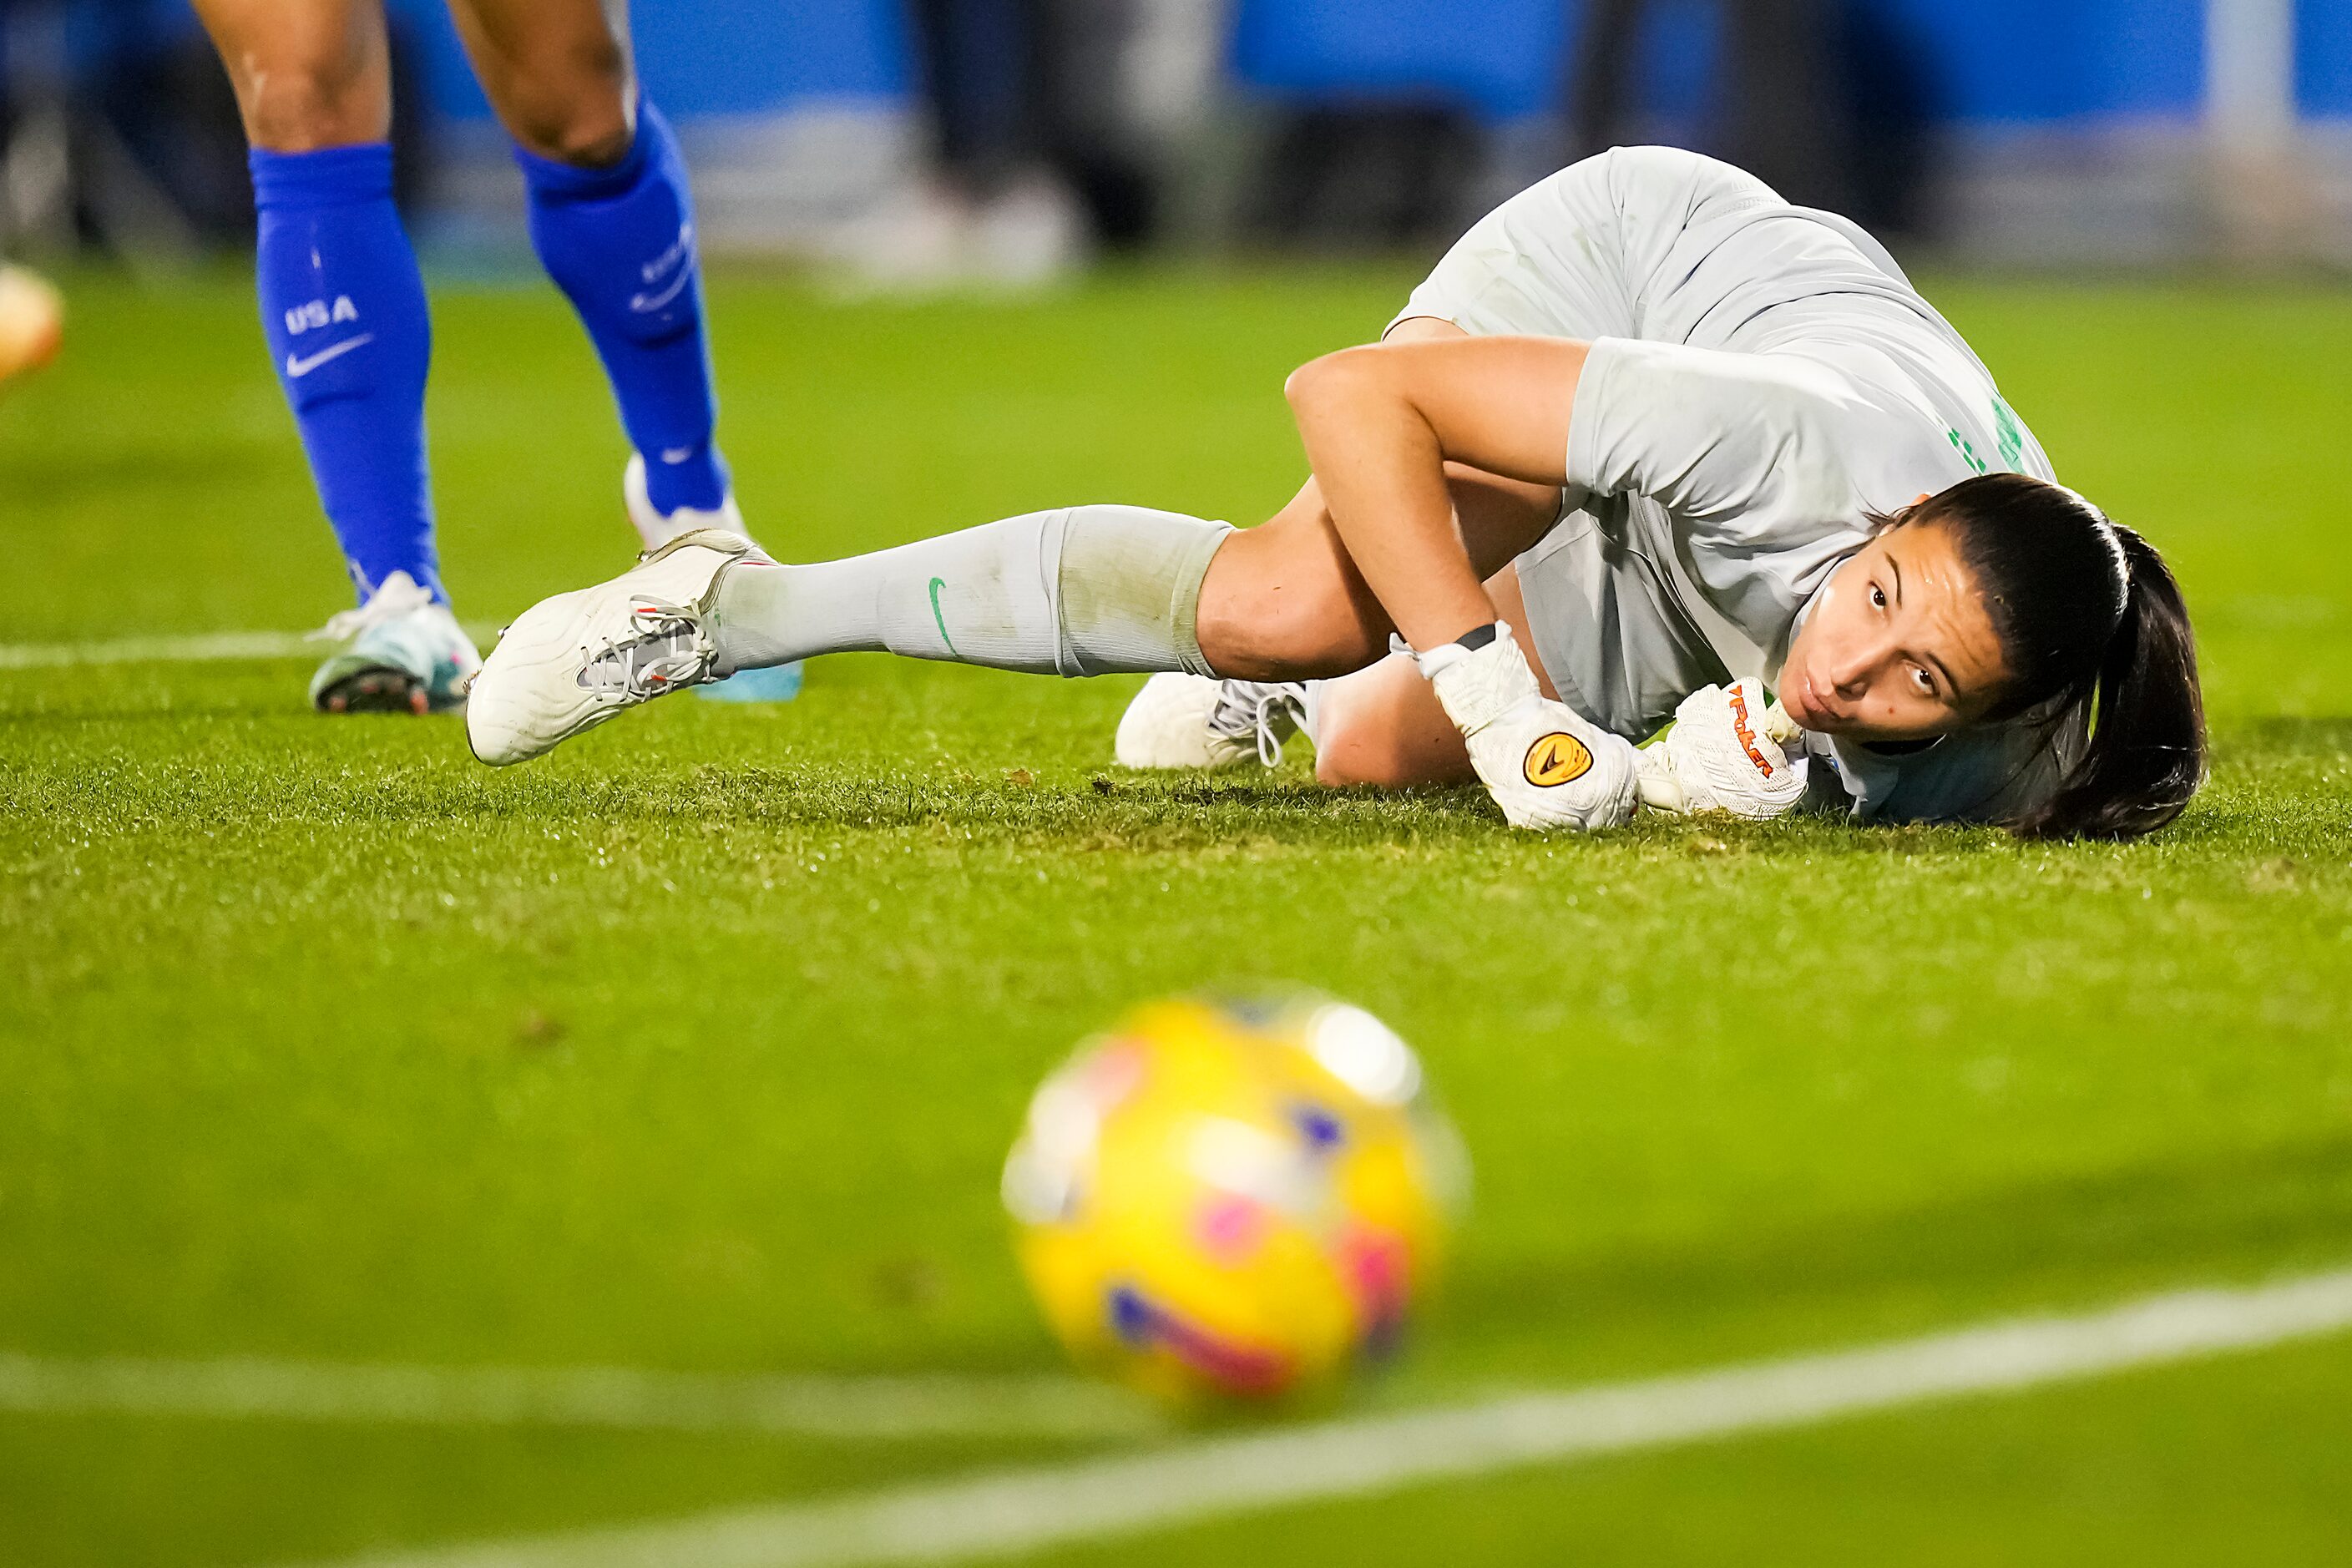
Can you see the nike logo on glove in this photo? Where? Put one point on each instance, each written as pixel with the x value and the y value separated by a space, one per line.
pixel 298 367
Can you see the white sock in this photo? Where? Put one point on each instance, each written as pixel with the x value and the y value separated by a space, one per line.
pixel 1087 590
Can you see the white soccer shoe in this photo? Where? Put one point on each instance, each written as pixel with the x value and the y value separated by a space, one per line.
pixel 1195 721
pixel 777 683
pixel 571 662
pixel 1545 765
pixel 406 655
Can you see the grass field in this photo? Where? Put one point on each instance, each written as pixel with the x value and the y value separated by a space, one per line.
pixel 696 1046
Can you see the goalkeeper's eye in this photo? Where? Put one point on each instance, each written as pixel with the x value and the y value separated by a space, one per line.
pixel 1923 680
pixel 1877 597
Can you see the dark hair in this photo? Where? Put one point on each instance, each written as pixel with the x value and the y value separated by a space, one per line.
pixel 2087 615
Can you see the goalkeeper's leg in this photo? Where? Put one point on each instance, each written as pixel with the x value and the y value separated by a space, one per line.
pixel 1383 724
pixel 1092 590
pixel 1085 590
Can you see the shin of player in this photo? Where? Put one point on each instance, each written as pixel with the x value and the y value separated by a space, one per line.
pixel 619 241
pixel 343 315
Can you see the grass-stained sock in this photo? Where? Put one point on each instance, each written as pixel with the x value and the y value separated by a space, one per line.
pixel 1084 590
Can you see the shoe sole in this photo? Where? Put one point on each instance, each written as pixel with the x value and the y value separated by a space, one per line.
pixel 373 688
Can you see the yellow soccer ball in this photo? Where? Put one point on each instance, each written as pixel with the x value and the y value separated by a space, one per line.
pixel 1242 1200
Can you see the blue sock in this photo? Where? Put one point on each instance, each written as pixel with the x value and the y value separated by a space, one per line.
pixel 343 310
pixel 619 242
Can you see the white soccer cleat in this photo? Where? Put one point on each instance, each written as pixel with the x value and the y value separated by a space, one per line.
pixel 1547 766
pixel 571 662
pixel 777 683
pixel 406 654
pixel 1197 722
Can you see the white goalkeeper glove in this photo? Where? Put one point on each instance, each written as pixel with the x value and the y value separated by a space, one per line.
pixel 1545 765
pixel 1726 753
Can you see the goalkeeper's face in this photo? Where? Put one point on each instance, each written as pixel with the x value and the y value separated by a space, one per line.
pixel 1899 646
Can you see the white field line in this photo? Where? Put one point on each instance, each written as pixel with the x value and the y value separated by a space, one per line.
pixel 198 648
pixel 1021 1510
pixel 161 650
pixel 617 1397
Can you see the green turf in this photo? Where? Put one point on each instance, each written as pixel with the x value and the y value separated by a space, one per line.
pixel 696 1046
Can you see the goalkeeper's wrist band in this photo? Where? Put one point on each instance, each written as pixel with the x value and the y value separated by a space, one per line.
pixel 1446 656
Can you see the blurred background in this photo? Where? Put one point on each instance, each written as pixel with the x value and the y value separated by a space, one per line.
pixel 919 144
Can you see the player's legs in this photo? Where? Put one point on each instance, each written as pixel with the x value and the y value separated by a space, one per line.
pixel 313 74
pixel 1379 725
pixel 343 311
pixel 1093 589
pixel 613 222
pixel 1283 601
pixel 1081 591
pixel 1383 725
pixel 558 74
pixel 1282 605
pixel 1284 597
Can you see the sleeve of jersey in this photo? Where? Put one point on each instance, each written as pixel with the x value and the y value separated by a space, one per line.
pixel 1736 444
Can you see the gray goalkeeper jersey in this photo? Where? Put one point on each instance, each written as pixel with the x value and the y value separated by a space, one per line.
pixel 1762 380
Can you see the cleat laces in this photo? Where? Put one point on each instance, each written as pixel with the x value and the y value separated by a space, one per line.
pixel 1264 712
pixel 665 648
pixel 399 595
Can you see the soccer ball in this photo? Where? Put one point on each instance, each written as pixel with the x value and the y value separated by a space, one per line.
pixel 32 321
pixel 1243 1200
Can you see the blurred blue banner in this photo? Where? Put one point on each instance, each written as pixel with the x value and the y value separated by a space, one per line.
pixel 2323 58
pixel 2047 131
pixel 1503 56
pixel 714 57
pixel 1978 61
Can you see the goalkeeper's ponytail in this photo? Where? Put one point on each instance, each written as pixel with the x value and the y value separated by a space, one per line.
pixel 2091 623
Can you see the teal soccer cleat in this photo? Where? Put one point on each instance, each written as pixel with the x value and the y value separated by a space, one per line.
pixel 406 655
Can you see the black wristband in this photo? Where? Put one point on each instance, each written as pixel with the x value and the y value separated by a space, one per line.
pixel 1477 638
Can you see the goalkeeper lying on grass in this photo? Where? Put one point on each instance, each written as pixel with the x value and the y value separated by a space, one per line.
pixel 1647 435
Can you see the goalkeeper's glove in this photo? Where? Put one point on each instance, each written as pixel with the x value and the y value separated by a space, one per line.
pixel 1546 765
pixel 1726 753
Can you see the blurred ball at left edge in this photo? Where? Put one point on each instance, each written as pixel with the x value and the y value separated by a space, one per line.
pixel 32 321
